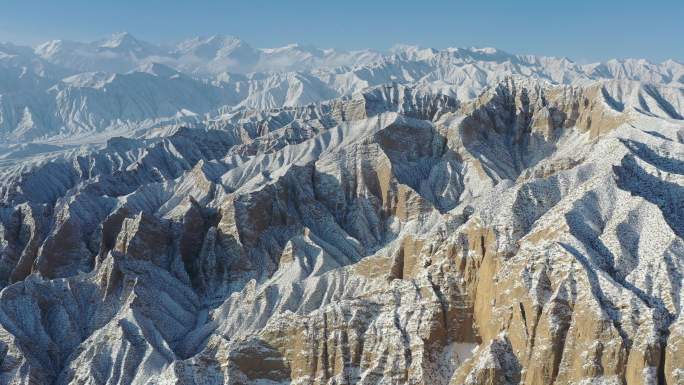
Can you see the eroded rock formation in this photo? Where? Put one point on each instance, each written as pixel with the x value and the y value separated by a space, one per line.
pixel 533 235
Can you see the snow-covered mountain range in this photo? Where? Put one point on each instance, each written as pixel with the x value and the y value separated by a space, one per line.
pixel 63 89
pixel 212 213
pixel 202 56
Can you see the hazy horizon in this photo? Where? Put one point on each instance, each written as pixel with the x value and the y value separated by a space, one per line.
pixel 583 31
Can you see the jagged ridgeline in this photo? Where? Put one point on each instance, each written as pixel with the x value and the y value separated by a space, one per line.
pixel 412 232
pixel 123 86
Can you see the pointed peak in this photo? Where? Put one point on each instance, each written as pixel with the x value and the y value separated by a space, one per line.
pixel 118 39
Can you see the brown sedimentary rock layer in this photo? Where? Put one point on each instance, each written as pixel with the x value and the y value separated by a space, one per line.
pixel 532 236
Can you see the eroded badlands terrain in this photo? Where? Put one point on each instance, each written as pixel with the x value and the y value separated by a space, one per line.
pixel 529 234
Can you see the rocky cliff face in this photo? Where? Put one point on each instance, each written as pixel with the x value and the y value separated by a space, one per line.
pixel 532 235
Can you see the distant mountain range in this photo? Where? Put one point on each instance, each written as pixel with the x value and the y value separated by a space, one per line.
pixel 123 52
pixel 63 89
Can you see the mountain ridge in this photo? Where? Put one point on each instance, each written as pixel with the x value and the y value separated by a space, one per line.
pixel 265 245
pixel 45 105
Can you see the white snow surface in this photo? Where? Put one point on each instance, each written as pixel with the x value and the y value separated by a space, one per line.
pixel 64 88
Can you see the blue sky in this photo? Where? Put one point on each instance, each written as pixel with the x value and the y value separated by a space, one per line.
pixel 580 29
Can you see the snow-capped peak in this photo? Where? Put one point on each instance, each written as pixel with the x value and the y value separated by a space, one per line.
pixel 121 40
pixel 209 47
pixel 157 69
pixel 124 42
pixel 485 50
